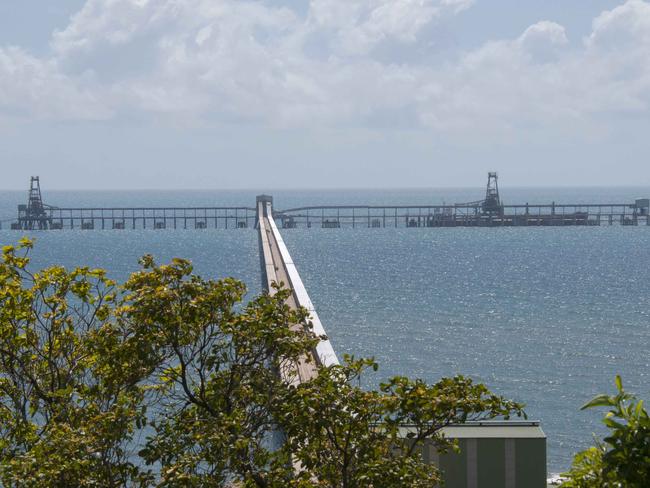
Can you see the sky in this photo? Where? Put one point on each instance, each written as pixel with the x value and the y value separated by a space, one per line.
pixel 218 94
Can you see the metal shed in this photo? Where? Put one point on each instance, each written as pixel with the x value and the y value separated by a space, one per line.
pixel 495 454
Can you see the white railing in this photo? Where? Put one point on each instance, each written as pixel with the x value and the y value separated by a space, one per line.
pixel 324 349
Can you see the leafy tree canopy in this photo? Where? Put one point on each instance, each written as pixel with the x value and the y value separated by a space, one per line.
pixel 170 380
pixel 622 459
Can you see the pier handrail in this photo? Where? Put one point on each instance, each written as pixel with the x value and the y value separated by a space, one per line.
pixel 458 205
pixel 324 349
pixel 267 259
pixel 79 209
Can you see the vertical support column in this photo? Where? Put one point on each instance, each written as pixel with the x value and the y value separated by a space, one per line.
pixel 472 463
pixel 511 463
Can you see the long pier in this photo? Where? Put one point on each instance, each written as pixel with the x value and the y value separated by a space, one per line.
pixel 464 215
pixel 336 217
pixel 120 218
pixel 278 267
pixel 489 212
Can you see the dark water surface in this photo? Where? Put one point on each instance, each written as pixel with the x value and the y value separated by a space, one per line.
pixel 546 316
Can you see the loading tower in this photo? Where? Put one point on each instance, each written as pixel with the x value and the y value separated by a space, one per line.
pixel 34 215
pixel 492 202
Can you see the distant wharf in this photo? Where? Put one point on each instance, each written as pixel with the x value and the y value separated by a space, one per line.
pixel 488 212
pixel 123 218
pixel 463 215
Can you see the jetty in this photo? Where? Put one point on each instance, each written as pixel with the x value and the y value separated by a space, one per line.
pixel 490 211
pixel 278 268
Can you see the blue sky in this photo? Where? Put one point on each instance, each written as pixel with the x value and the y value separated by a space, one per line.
pixel 324 93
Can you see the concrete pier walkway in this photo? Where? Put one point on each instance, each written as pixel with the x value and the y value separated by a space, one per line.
pixel 278 267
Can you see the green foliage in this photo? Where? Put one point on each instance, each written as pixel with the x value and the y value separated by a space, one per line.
pixel 352 437
pixel 168 380
pixel 623 458
pixel 61 422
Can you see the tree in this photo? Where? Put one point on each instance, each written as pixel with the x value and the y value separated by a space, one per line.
pixel 622 459
pixel 67 413
pixel 170 380
pixel 351 437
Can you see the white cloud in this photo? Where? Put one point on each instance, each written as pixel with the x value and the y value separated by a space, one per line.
pixel 625 26
pixel 358 26
pixel 616 62
pixel 544 41
pixel 31 87
pixel 239 60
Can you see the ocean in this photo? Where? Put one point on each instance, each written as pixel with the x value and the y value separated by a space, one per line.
pixel 545 316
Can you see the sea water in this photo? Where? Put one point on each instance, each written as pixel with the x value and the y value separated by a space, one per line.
pixel 545 316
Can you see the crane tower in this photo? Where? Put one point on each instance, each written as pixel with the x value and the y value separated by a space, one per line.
pixel 34 215
pixel 492 202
